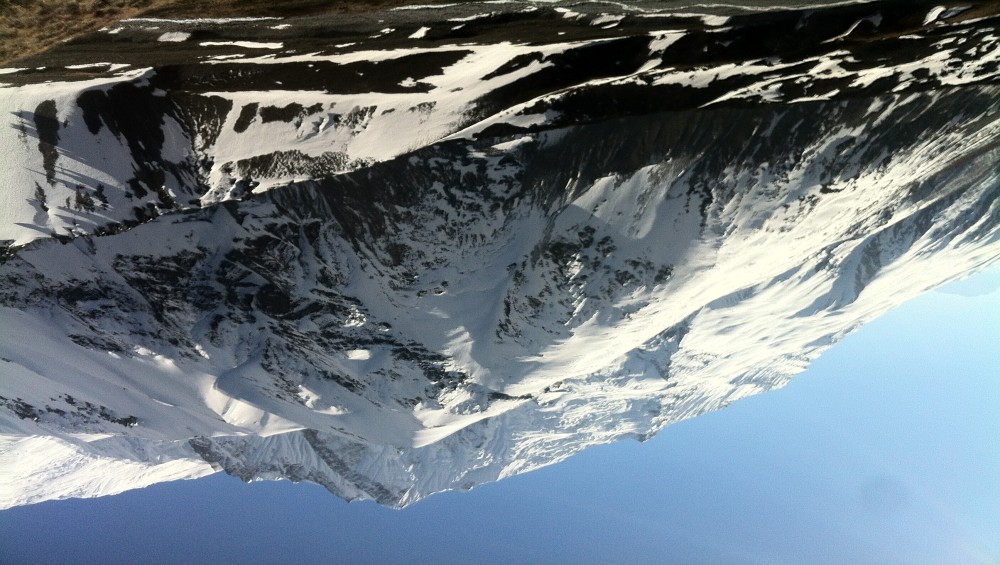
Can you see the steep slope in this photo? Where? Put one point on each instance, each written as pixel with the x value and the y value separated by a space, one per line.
pixel 155 116
pixel 590 256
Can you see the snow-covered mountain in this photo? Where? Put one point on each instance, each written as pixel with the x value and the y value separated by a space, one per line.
pixel 403 252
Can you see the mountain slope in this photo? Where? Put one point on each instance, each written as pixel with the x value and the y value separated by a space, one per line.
pixel 549 259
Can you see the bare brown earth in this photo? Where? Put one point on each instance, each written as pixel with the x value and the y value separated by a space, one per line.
pixel 29 27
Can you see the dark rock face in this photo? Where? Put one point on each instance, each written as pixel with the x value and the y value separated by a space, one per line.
pixel 47 128
pixel 616 233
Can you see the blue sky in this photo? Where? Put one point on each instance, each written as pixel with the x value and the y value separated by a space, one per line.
pixel 885 451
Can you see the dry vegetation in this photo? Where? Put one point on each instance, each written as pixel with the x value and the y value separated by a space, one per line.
pixel 28 27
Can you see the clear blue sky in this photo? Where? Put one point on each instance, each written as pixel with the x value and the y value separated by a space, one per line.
pixel 886 451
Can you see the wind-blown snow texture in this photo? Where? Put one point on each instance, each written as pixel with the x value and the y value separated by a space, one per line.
pixel 462 243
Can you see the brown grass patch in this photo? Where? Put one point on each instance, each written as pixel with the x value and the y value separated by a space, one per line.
pixel 29 27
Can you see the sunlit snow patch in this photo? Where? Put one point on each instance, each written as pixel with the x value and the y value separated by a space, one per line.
pixel 423 7
pixel 607 21
pixel 472 17
pixel 933 14
pixel 569 14
pixel 174 36
pixel 420 33
pixel 714 21
pixel 111 66
pixel 509 145
pixel 246 44
pixel 312 400
pixel 359 355
pixel 201 351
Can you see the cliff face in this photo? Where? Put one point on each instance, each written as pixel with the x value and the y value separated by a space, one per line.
pixel 428 260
